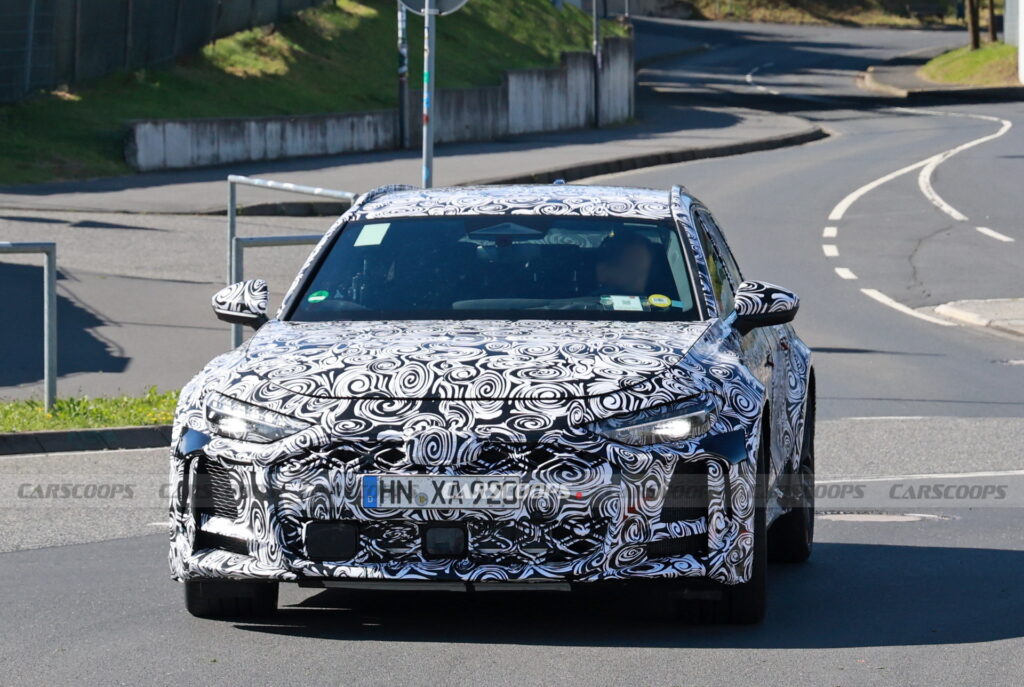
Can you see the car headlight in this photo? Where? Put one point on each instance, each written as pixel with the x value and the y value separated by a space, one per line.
pixel 664 424
pixel 234 419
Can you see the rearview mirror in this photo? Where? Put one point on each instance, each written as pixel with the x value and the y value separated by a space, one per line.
pixel 760 304
pixel 243 303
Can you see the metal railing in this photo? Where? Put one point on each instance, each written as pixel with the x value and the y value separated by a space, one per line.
pixel 236 244
pixel 49 312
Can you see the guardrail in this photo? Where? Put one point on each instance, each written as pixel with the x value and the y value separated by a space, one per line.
pixel 236 244
pixel 49 312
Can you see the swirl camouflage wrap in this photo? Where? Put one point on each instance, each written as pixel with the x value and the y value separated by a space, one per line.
pixel 518 406
pixel 760 298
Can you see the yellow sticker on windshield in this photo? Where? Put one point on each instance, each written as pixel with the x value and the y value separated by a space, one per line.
pixel 658 300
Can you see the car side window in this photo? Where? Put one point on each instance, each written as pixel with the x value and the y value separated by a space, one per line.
pixel 720 281
pixel 722 247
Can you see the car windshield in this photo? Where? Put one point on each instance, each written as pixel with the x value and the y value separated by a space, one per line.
pixel 504 267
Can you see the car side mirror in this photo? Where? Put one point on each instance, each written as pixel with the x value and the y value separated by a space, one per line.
pixel 243 303
pixel 760 304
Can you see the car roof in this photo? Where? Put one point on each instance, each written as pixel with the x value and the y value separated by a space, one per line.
pixel 520 199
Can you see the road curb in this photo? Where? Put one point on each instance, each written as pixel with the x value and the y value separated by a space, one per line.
pixel 954 312
pixel 869 81
pixel 576 172
pixel 103 439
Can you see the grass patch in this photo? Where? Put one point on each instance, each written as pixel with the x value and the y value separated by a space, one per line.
pixel 154 408
pixel 336 57
pixel 994 64
pixel 844 12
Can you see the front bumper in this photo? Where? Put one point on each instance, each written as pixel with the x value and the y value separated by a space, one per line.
pixel 621 520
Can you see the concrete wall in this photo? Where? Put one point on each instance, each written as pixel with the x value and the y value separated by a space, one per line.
pixel 528 101
pixel 461 114
pixel 552 99
pixel 617 89
pixel 186 143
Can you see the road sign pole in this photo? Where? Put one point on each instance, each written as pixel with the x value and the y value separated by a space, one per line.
pixel 429 19
pixel 403 77
pixel 597 65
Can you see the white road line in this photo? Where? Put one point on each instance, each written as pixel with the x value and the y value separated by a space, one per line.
pixel 829 232
pixel 924 178
pixel 845 273
pixel 992 233
pixel 895 305
pixel 830 250
pixel 936 475
pixel 165 523
pixel 928 166
pixel 842 206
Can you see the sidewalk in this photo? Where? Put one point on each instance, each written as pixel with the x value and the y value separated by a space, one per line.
pixel 665 132
pixel 899 78
pixel 1001 314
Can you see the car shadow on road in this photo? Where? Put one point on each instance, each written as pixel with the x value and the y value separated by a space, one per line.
pixel 849 595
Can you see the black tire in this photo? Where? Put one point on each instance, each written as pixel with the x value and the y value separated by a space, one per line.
pixel 744 603
pixel 230 598
pixel 791 537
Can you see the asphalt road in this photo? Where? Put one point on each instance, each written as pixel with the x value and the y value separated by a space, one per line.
pixel 905 590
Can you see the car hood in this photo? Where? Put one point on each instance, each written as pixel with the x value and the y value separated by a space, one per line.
pixel 465 360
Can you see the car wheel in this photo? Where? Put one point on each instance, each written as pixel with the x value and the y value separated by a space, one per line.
pixel 792 535
pixel 230 598
pixel 744 603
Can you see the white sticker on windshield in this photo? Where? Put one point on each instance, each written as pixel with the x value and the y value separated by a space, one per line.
pixel 626 303
pixel 372 234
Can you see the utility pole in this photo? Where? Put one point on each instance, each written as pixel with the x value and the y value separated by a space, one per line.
pixel 429 35
pixel 597 64
pixel 972 24
pixel 403 76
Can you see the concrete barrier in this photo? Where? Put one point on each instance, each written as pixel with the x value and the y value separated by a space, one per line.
pixel 527 101
pixel 186 143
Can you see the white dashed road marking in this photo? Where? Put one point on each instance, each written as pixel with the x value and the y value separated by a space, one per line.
pixel 845 273
pixel 829 250
pixel 829 232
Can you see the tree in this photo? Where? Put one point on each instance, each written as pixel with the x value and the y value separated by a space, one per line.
pixel 972 24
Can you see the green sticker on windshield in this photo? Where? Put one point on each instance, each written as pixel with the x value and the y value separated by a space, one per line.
pixel 318 296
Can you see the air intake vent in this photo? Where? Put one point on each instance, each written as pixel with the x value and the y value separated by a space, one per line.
pixel 687 496
pixel 217 490
pixel 694 545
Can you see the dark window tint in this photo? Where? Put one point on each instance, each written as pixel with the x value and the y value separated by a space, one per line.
pixel 509 266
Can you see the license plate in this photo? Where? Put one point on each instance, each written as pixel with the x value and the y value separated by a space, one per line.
pixel 429 491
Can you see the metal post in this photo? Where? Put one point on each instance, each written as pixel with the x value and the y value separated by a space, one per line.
pixel 128 34
pixel 403 76
pixel 237 270
pixel 50 328
pixel 235 243
pixel 597 64
pixel 49 250
pixel 429 19
pixel 29 39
